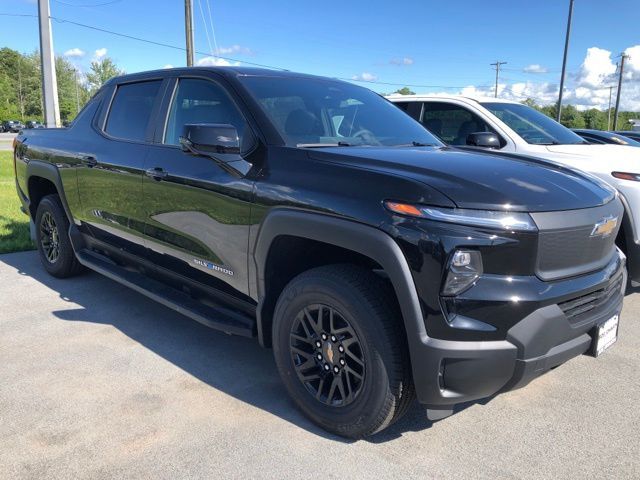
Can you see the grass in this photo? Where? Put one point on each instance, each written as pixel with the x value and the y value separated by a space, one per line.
pixel 14 225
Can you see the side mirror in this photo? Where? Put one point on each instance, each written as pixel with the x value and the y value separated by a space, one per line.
pixel 483 139
pixel 210 138
pixel 219 142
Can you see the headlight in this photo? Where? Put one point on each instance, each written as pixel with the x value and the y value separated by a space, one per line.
pixel 464 268
pixel 519 221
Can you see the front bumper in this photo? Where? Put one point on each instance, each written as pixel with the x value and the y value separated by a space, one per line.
pixel 453 372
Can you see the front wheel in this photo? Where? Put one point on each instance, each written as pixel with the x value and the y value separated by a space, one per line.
pixel 340 349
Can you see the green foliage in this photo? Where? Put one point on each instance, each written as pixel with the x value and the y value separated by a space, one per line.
pixel 101 71
pixel 405 91
pixel 592 118
pixel 571 117
pixel 20 85
pixel 595 119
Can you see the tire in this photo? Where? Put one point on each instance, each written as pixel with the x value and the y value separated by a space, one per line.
pixel 365 350
pixel 52 239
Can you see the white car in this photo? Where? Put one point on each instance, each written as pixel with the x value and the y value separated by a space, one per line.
pixel 516 128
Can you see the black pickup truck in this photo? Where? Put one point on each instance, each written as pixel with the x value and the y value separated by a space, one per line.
pixel 313 214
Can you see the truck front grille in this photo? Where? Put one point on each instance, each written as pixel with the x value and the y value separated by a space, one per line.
pixel 577 308
pixel 567 245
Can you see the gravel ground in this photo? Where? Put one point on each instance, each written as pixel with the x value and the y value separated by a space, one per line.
pixel 96 381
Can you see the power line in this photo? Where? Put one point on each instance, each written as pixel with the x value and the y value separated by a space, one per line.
pixel 230 59
pixel 213 31
pixel 206 28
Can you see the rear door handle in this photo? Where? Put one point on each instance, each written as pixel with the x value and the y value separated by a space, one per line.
pixel 89 160
pixel 156 173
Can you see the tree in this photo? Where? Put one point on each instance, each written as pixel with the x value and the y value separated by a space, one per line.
pixel 101 71
pixel 595 119
pixel 405 91
pixel 571 117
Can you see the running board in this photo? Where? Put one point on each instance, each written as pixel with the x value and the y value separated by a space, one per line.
pixel 218 317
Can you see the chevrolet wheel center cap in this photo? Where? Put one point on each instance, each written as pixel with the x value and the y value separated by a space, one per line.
pixel 329 352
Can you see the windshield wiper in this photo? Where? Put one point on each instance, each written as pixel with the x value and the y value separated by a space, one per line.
pixel 416 144
pixel 323 145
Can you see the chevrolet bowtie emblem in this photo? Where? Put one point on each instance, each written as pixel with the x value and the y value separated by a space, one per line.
pixel 605 226
pixel 329 353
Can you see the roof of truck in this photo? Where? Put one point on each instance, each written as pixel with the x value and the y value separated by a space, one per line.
pixel 422 97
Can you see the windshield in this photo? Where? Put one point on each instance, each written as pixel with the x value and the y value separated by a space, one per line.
pixel 309 112
pixel 534 127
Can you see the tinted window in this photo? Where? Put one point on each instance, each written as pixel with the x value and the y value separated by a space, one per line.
pixel 534 127
pixel 318 112
pixel 131 110
pixel 452 123
pixel 200 101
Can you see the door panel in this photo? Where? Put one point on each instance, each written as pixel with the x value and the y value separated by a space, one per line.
pixel 197 215
pixel 110 180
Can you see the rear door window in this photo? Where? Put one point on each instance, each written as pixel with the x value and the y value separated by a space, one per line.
pixel 131 108
pixel 452 123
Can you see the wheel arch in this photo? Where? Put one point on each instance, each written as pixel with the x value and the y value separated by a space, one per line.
pixel 41 177
pixel 363 240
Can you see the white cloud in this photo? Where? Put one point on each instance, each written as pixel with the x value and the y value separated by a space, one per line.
pixel 596 69
pixel 215 62
pixel 101 52
pixel 365 76
pixel 586 88
pixel 75 52
pixel 401 61
pixel 233 50
pixel 535 68
pixel 168 65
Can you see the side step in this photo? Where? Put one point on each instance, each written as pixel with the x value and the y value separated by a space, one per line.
pixel 219 317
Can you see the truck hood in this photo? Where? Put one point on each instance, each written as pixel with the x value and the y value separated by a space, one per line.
pixel 607 157
pixel 479 179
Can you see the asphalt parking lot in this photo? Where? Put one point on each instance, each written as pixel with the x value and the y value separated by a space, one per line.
pixel 96 381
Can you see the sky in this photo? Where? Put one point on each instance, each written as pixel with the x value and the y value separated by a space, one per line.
pixel 432 46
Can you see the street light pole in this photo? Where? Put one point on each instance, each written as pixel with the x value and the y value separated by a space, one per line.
pixel 47 59
pixel 564 59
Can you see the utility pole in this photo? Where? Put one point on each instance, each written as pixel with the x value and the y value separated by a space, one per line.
pixel 564 60
pixel 615 114
pixel 188 30
pixel 49 80
pixel 497 65
pixel 609 110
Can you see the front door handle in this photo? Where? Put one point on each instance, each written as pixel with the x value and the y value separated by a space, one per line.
pixel 89 160
pixel 156 173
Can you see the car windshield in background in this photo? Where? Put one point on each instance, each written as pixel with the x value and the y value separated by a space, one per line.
pixel 317 113
pixel 534 127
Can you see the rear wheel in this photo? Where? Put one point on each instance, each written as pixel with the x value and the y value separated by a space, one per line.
pixel 341 350
pixel 52 238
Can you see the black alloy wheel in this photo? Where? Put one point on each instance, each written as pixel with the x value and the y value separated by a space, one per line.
pixel 327 355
